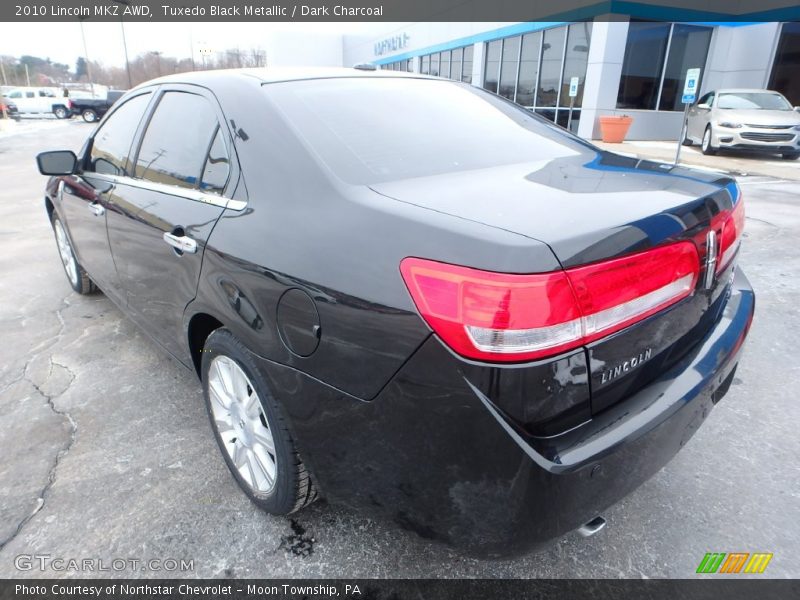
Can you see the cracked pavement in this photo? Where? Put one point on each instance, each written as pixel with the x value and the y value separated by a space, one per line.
pixel 107 452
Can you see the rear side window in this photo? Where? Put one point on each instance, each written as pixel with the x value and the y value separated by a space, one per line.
pixel 436 127
pixel 30 95
pixel 177 141
pixel 112 143
pixel 217 167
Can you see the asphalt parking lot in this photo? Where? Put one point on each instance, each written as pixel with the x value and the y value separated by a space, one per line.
pixel 107 453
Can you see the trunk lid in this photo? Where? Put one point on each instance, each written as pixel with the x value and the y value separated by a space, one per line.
pixel 592 207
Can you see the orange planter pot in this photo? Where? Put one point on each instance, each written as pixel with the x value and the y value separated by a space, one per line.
pixel 614 129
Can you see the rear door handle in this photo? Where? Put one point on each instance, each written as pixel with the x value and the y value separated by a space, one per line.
pixel 97 209
pixel 182 243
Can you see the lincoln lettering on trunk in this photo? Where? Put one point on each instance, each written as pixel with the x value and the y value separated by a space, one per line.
pixel 627 366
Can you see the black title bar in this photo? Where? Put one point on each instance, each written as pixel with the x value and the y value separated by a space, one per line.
pixel 387 589
pixel 398 10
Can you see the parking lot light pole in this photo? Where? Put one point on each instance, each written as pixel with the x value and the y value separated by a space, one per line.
pixel 86 56
pixel 124 42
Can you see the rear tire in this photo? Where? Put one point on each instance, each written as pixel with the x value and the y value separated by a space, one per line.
pixel 60 112
pixel 706 146
pixel 77 277
pixel 790 155
pixel 250 428
pixel 89 115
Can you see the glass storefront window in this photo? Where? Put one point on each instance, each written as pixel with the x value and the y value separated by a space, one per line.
pixel 688 49
pixel 452 64
pixel 466 69
pixel 534 69
pixel 493 51
pixel 550 69
pixel 508 68
pixel 575 61
pixel 651 80
pixel 529 68
pixel 784 78
pixel 435 64
pixel 455 64
pixel 444 64
pixel 642 65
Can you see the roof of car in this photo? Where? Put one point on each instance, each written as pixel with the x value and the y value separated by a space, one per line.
pixel 276 74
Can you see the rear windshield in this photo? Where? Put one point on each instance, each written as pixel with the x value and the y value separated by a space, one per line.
pixel 371 130
pixel 753 100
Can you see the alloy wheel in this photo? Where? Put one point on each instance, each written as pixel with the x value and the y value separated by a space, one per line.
pixel 706 140
pixel 242 424
pixel 65 252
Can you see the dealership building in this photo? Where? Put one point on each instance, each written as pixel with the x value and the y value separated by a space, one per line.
pixel 623 66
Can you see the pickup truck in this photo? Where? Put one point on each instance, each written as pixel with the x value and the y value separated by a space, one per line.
pixel 39 101
pixel 92 109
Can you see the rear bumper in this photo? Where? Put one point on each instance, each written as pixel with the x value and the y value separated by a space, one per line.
pixel 433 453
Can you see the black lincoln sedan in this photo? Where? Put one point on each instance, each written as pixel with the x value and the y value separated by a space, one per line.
pixel 409 295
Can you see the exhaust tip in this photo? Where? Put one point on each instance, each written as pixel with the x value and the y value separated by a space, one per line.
pixel 592 527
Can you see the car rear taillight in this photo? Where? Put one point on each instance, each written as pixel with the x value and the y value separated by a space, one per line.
pixel 508 317
pixel 70 104
pixel 732 228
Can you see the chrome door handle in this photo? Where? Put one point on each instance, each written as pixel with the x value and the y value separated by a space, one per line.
pixel 97 209
pixel 182 243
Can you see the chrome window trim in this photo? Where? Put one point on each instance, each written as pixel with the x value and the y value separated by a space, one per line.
pixel 172 190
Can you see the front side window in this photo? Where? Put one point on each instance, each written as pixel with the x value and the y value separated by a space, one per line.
pixel 112 143
pixel 15 95
pixel 176 143
pixel 707 100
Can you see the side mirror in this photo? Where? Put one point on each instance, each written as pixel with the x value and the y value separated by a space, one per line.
pixel 703 106
pixel 797 109
pixel 57 162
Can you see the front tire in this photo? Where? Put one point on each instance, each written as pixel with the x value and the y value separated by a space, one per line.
pixel 89 115
pixel 77 277
pixel 706 146
pixel 686 140
pixel 790 155
pixel 250 428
